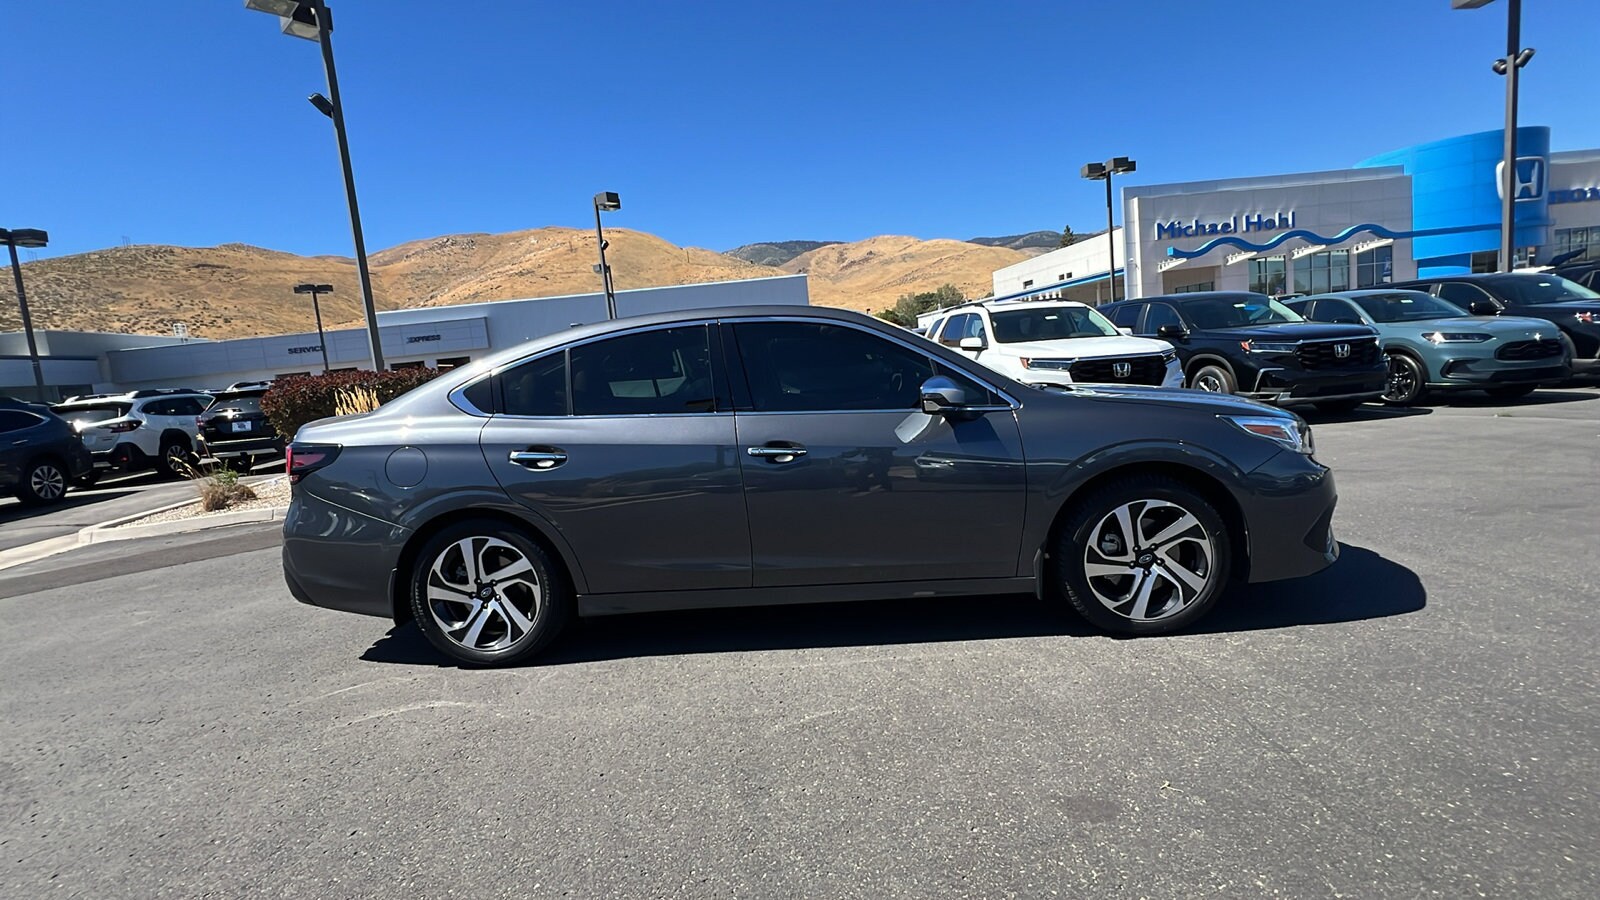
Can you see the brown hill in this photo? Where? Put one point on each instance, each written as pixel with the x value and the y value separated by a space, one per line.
pixel 871 274
pixel 236 290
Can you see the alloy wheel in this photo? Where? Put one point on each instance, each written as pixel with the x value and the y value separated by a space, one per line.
pixel 1148 560
pixel 1401 386
pixel 483 593
pixel 47 482
pixel 1210 382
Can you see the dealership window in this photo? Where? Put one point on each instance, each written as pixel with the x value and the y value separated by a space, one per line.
pixel 452 362
pixel 1581 239
pixel 407 365
pixel 1028 283
pixel 1267 275
pixel 1485 261
pixel 1375 267
pixel 1195 287
pixel 1322 272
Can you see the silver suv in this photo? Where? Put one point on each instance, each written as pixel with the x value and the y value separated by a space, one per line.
pixel 139 429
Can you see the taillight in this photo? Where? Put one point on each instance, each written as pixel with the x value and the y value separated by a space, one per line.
pixel 122 427
pixel 300 460
pixel 199 421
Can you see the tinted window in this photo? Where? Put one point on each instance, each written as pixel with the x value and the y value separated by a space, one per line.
pixel 534 388
pixel 1160 314
pixel 16 420
pixel 803 366
pixel 1534 289
pixel 481 393
pixel 662 371
pixel 955 329
pixel 1462 294
pixel 1126 316
pixel 190 406
pixel 1048 324
pixel 1407 306
pixel 1237 311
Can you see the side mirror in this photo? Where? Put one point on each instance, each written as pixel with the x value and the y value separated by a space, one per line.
pixel 1126 331
pixel 942 396
pixel 1483 308
pixel 1172 332
pixel 973 343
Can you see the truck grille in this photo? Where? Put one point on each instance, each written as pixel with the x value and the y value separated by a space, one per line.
pixel 1141 370
pixel 1543 348
pixel 1363 352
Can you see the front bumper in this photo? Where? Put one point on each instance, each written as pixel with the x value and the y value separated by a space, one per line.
pixel 1288 505
pixel 1043 377
pixel 1286 387
pixel 1494 372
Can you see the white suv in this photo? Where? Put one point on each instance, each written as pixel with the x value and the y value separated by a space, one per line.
pixel 1053 342
pixel 139 429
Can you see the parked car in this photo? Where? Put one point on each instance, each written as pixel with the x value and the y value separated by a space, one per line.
pixel 1570 306
pixel 1235 342
pixel 777 454
pixel 233 429
pixel 40 454
pixel 1055 342
pixel 139 429
pixel 1584 273
pixel 1431 344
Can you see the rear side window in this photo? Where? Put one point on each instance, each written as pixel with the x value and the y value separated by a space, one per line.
pixel 537 387
pixel 17 420
pixel 663 371
pixel 816 367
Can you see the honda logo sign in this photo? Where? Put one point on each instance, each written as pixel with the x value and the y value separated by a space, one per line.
pixel 1527 181
pixel 1121 369
pixel 1341 351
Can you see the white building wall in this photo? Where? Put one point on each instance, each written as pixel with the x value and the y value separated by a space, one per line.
pixel 1575 196
pixel 1082 259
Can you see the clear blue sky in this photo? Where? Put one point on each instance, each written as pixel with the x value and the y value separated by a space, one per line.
pixel 722 123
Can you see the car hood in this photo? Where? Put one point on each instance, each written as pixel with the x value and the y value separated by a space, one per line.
pixel 1176 398
pixel 1566 306
pixel 1508 328
pixel 1083 348
pixel 1292 331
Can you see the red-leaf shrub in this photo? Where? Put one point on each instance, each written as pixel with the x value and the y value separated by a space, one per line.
pixel 293 401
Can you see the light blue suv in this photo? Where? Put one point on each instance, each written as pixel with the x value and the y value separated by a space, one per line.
pixel 1433 344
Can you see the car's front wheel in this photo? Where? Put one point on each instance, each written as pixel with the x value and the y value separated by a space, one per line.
pixel 484 593
pixel 1143 555
pixel 1407 381
pixel 1215 379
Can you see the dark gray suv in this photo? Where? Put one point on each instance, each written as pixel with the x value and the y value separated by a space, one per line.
pixel 785 455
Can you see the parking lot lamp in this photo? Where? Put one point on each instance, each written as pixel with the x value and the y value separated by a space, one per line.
pixel 26 237
pixel 1117 165
pixel 310 19
pixel 605 201
pixel 1509 65
pixel 314 290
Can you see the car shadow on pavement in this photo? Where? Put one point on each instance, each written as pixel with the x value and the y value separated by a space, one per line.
pixel 1361 585
pixel 19 512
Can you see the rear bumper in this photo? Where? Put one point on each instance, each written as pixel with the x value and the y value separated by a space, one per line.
pixel 226 449
pixel 1288 509
pixel 339 559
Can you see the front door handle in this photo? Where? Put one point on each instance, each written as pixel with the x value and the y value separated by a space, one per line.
pixel 776 454
pixel 538 457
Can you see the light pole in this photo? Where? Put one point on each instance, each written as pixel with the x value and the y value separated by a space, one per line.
pixel 605 201
pixel 314 290
pixel 1516 57
pixel 1116 165
pixel 26 237
pixel 310 19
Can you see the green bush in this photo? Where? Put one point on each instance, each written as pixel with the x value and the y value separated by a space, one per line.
pixel 293 401
pixel 906 309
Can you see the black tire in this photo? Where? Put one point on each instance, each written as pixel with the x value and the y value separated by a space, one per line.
pixel 508 643
pixel 44 481
pixel 1348 404
pixel 175 449
pixel 1407 382
pixel 1511 392
pixel 1084 539
pixel 1214 378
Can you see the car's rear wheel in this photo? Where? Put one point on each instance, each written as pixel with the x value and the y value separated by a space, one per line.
pixel 44 481
pixel 1215 379
pixel 484 593
pixel 1143 555
pixel 1407 382
pixel 1511 392
pixel 174 457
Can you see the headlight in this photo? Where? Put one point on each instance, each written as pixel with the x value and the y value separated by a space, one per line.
pixel 1168 357
pixel 1292 433
pixel 1059 365
pixel 1268 346
pixel 1458 337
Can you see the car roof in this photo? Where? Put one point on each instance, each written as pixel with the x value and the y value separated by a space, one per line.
pixel 1194 295
pixel 1361 292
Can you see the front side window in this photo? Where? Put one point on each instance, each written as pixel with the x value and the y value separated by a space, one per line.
pixel 1462 294
pixel 1238 311
pixel 1536 289
pixel 537 387
pixel 1161 314
pixel 663 371
pixel 955 328
pixel 814 367
pixel 1407 306
pixel 1053 323
pixel 1267 275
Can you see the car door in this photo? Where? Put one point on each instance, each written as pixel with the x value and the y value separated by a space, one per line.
pixel 848 481
pixel 17 443
pixel 626 445
pixel 1464 294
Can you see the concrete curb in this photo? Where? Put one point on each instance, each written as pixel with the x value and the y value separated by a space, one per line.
pixel 117 530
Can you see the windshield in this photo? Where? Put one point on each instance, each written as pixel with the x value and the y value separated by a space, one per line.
pixel 1238 311
pixel 89 414
pixel 1535 289
pixel 1050 324
pixel 1407 306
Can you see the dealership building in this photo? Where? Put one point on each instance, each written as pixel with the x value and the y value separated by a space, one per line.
pixel 1430 209
pixel 440 336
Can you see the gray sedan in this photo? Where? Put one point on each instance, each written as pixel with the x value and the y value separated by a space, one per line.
pixel 785 455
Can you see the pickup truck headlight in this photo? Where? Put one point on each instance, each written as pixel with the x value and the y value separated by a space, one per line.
pixel 1458 337
pixel 1268 346
pixel 1059 365
pixel 1291 433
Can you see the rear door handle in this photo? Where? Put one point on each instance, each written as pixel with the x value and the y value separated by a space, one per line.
pixel 538 458
pixel 776 454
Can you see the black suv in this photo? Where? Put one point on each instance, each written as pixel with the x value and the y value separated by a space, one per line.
pixel 1235 342
pixel 40 454
pixel 234 430
pixel 1568 305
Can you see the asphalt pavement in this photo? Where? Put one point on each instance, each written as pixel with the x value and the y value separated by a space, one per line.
pixel 1419 720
